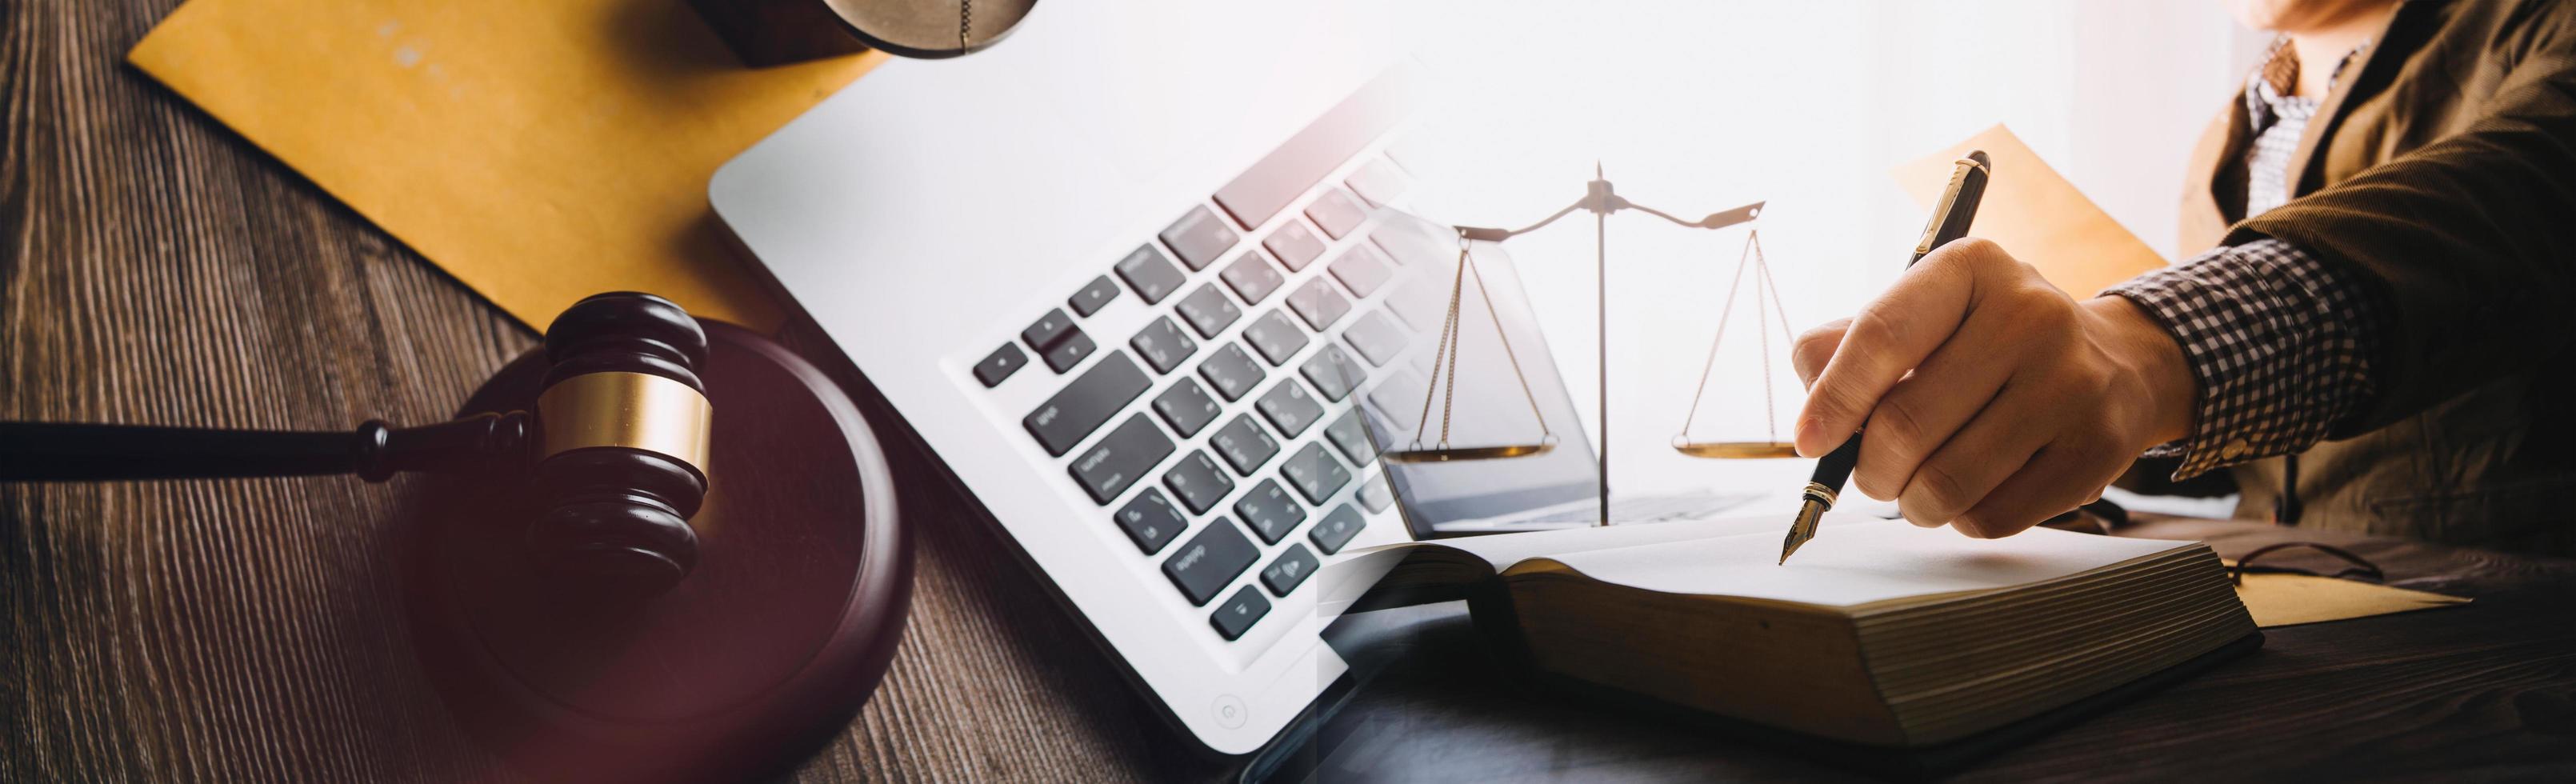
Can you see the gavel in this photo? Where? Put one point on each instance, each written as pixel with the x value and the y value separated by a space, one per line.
pixel 616 450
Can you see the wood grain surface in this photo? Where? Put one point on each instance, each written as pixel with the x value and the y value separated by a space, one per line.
pixel 158 269
pixel 155 268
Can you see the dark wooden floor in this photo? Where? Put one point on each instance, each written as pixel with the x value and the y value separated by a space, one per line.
pixel 157 269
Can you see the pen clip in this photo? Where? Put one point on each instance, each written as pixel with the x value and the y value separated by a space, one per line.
pixel 1949 197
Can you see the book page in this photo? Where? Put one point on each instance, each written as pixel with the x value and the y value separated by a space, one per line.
pixel 1855 564
pixel 1503 550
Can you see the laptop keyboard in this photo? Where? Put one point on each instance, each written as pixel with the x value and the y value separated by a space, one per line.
pixel 1268 320
pixel 1653 508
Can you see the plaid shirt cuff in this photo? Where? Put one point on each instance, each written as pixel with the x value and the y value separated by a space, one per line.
pixel 2279 345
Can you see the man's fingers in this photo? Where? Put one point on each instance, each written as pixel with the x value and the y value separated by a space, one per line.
pixel 1814 347
pixel 1992 447
pixel 1889 337
pixel 1926 409
pixel 2054 481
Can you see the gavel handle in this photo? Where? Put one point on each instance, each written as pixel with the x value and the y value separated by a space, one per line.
pixel 47 451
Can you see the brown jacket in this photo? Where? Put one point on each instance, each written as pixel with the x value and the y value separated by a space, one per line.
pixel 2442 168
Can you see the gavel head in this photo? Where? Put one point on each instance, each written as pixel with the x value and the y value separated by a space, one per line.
pixel 621 454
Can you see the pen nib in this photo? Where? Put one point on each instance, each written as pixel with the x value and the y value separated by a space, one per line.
pixel 1790 545
pixel 1803 528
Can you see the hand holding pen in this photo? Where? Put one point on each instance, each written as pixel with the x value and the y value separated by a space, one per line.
pixel 1992 400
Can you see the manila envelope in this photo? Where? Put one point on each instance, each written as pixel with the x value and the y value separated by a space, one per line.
pixel 538 151
pixel 2036 215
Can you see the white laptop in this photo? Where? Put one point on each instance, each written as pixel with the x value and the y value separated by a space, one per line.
pixel 1130 274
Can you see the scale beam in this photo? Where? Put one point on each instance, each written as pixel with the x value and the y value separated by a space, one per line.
pixel 1601 199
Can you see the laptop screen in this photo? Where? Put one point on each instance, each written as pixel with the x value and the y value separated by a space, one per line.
pixel 1488 405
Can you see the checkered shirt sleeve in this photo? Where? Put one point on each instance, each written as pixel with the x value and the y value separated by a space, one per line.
pixel 2279 343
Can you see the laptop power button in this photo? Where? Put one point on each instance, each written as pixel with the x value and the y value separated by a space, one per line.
pixel 1229 711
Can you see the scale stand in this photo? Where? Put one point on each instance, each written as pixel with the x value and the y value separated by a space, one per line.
pixel 1600 199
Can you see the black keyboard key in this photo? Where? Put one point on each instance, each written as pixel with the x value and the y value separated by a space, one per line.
pixel 1377 182
pixel 1152 276
pixel 1052 327
pixel 1375 495
pixel 1198 482
pixel 1082 406
pixel 1120 458
pixel 1297 164
pixel 1208 562
pixel 1199 237
pixel 1362 269
pixel 1351 437
pixel 1269 511
pixel 1336 529
pixel 1186 408
pixel 1421 304
pixel 1413 150
pixel 1150 521
pixel 1238 613
pixel 1232 371
pixel 1336 212
pixel 1163 344
pixel 1315 473
pixel 1378 338
pixel 1251 277
pixel 1208 310
pixel 1294 245
pixel 1411 243
pixel 1276 339
pixel 1069 351
pixel 1244 444
pixel 1094 296
pixel 1000 365
pixel 1289 570
pixel 1333 373
pixel 1399 399
pixel 1318 304
pixel 1289 408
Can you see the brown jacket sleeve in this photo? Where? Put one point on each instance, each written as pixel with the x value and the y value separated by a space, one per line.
pixel 2470 239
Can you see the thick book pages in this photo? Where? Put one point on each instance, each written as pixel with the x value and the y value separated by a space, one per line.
pixel 1879 632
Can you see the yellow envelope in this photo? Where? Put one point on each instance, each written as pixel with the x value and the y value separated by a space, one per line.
pixel 2035 214
pixel 2292 599
pixel 538 151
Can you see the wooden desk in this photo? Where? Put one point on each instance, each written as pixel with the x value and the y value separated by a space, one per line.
pixel 157 269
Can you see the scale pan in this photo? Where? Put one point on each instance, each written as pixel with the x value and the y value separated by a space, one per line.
pixel 1736 450
pixel 1451 454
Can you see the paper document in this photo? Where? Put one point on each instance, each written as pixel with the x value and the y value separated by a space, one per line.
pixel 1860 563
pixel 2037 216
pixel 539 151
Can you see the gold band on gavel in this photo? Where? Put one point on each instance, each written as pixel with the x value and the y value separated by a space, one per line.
pixel 632 410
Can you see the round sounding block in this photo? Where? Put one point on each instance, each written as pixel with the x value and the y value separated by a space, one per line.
pixel 754 660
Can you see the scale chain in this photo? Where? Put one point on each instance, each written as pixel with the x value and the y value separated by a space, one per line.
pixel 1787 336
pixel 1448 331
pixel 1762 334
pixel 1724 314
pixel 1544 434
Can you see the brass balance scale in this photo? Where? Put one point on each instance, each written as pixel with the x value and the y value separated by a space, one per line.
pixel 1601 200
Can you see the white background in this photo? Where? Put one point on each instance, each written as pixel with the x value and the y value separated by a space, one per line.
pixel 1696 106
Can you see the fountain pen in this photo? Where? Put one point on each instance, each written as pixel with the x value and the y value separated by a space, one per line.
pixel 1950 219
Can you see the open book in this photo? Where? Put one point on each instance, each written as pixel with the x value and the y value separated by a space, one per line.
pixel 1878 633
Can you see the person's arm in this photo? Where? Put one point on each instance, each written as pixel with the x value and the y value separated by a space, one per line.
pixel 2470 240
pixel 2280 344
pixel 1995 401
